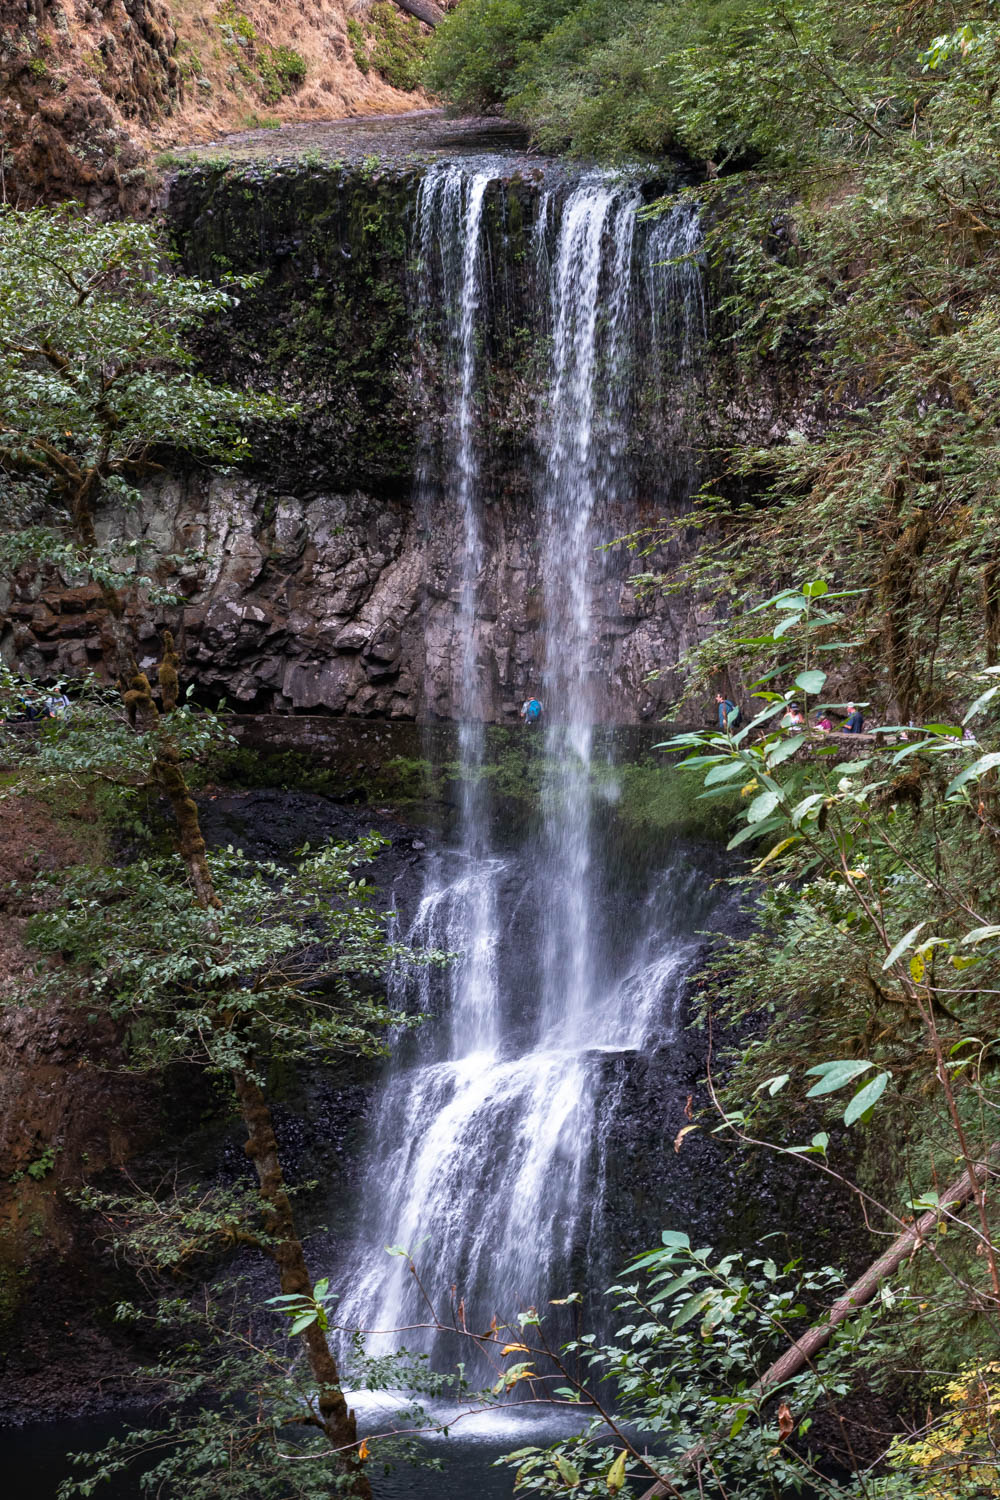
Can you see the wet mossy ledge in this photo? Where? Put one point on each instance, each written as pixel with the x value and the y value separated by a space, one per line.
pixel 330 321
pixel 326 322
pixel 417 770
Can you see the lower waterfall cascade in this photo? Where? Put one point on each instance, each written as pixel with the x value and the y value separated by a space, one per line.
pixel 486 1154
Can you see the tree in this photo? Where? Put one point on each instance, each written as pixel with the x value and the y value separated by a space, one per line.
pixel 96 386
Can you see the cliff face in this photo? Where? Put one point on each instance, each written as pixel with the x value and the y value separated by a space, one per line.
pixel 330 574
pixel 93 91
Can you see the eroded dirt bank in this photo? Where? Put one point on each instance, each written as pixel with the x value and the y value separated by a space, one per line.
pixel 93 94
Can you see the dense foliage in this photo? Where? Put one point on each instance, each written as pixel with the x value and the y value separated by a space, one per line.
pixel 845 160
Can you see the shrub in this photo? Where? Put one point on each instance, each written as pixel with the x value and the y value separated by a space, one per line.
pixel 399 46
pixel 282 71
pixel 359 44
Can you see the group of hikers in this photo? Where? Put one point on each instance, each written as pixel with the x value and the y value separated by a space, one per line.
pixel 32 704
pixel 730 717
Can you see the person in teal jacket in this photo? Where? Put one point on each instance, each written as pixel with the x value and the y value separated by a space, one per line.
pixel 726 707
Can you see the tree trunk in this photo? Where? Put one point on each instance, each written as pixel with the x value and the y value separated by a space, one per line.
pixel 424 10
pixel 336 1417
pixel 191 845
pixel 801 1352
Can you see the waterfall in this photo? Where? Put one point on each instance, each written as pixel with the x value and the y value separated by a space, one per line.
pixel 487 1151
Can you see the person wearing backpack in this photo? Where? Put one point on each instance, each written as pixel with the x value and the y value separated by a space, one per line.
pixel 729 714
pixel 531 711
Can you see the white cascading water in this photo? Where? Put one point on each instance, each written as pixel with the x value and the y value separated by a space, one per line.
pixel 487 1153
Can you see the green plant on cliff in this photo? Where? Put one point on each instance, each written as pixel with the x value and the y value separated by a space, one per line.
pixel 275 71
pixel 391 43
pixel 399 46
pixel 282 71
pixel 96 379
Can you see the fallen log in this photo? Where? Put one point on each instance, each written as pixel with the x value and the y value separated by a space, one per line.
pixel 802 1351
pixel 424 10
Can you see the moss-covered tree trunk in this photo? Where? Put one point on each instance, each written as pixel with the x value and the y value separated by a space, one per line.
pixel 335 1417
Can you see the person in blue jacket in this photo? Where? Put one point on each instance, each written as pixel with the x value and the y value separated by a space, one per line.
pixel 726 707
pixel 855 719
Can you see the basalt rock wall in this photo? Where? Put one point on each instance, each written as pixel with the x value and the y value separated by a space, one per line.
pixel 325 575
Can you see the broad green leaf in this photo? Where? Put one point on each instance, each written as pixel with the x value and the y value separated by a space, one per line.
pixel 816 589
pixel 812 681
pixel 981 934
pixel 724 772
pixel 785 625
pixel 865 1098
pixel 762 806
pixel 980 703
pixel 740 1419
pixel 569 1474
pixel 785 749
pixel 800 809
pixel 303 1322
pixel 691 1308
pixel 754 831
pixel 835 1075
pixel 817 1146
pixel 788 598
pixel 905 942
pixel 616 1474
pixel 978 768
pixel 675 1239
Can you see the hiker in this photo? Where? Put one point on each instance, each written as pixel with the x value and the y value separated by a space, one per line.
pixel 796 717
pixel 58 705
pixel 855 719
pixel 32 706
pixel 824 722
pixel 531 711
pixel 729 714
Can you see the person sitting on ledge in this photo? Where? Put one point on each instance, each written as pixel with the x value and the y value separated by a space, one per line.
pixel 855 719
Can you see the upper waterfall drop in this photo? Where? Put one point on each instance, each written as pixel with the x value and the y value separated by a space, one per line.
pixel 487 1144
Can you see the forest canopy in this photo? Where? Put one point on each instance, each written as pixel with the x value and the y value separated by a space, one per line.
pixel 711 78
